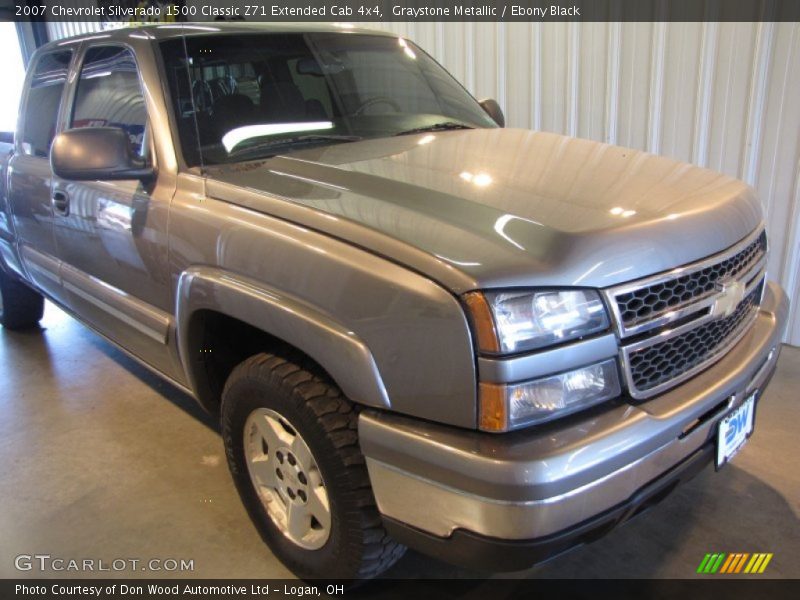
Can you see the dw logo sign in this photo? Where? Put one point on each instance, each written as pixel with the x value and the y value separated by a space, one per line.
pixel 736 426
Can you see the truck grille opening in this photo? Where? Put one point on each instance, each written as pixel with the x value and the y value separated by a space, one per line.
pixel 647 302
pixel 662 362
pixel 667 323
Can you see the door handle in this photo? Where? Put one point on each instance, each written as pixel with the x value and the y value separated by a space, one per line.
pixel 61 202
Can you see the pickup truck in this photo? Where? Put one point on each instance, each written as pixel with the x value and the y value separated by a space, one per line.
pixel 419 328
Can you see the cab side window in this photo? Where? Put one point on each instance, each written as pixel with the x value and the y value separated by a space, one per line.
pixel 110 95
pixel 44 98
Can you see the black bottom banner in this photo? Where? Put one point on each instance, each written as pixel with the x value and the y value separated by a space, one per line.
pixel 420 589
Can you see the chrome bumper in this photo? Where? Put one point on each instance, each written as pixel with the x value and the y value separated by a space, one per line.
pixel 538 482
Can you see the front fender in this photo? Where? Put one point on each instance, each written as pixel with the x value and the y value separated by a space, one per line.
pixel 389 336
pixel 344 356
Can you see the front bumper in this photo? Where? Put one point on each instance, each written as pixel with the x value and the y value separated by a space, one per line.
pixel 441 487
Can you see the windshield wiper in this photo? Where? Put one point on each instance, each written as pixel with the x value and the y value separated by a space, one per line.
pixel 300 139
pixel 443 126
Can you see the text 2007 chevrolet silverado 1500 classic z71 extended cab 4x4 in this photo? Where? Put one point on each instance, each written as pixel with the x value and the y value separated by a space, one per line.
pixel 419 328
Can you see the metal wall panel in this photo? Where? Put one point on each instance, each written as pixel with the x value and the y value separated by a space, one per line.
pixel 57 30
pixel 721 95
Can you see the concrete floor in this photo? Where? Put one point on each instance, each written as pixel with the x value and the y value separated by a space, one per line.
pixel 103 460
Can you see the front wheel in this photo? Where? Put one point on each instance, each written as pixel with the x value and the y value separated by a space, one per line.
pixel 20 306
pixel 291 441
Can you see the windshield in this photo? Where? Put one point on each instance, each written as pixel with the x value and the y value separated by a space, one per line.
pixel 250 96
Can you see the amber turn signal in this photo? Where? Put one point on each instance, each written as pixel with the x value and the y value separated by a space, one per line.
pixel 482 322
pixel 492 407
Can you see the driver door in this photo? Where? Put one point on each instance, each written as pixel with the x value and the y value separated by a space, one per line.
pixel 111 235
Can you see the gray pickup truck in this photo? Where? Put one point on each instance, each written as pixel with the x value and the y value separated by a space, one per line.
pixel 419 328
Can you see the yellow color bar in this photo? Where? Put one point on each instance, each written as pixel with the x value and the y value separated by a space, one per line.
pixel 757 564
pixel 752 562
pixel 768 557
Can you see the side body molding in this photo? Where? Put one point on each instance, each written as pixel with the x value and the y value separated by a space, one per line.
pixel 345 357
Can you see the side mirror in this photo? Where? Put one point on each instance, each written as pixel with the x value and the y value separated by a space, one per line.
pixel 97 153
pixel 493 109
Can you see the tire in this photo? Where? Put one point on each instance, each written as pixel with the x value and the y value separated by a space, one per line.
pixel 20 306
pixel 271 407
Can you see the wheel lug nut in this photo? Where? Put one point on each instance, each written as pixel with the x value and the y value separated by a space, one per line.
pixel 279 473
pixel 280 456
pixel 290 492
pixel 302 495
pixel 291 459
pixel 302 478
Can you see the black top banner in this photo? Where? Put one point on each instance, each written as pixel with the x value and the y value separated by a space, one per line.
pixel 370 11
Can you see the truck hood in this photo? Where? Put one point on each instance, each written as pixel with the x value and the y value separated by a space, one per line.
pixel 491 208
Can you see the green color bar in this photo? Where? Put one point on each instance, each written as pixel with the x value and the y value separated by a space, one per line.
pixel 701 568
pixel 718 563
pixel 711 562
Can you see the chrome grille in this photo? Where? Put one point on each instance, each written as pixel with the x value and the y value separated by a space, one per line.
pixel 673 325
pixel 644 303
pixel 662 362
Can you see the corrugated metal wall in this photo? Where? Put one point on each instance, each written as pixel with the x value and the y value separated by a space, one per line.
pixel 721 95
pixel 62 29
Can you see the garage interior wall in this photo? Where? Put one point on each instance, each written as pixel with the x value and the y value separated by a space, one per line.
pixel 720 95
pixel 57 29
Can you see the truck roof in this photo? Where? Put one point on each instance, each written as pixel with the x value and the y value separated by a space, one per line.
pixel 163 31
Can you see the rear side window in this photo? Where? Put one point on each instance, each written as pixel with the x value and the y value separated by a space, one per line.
pixel 109 94
pixel 44 99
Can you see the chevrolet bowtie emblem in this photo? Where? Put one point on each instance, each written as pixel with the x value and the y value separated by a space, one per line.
pixel 730 295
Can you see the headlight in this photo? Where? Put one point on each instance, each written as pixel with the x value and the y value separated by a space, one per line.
pixel 509 406
pixel 530 320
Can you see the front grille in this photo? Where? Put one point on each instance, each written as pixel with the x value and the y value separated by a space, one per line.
pixel 668 324
pixel 665 361
pixel 645 303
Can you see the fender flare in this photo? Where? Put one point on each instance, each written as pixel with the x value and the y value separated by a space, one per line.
pixel 333 346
